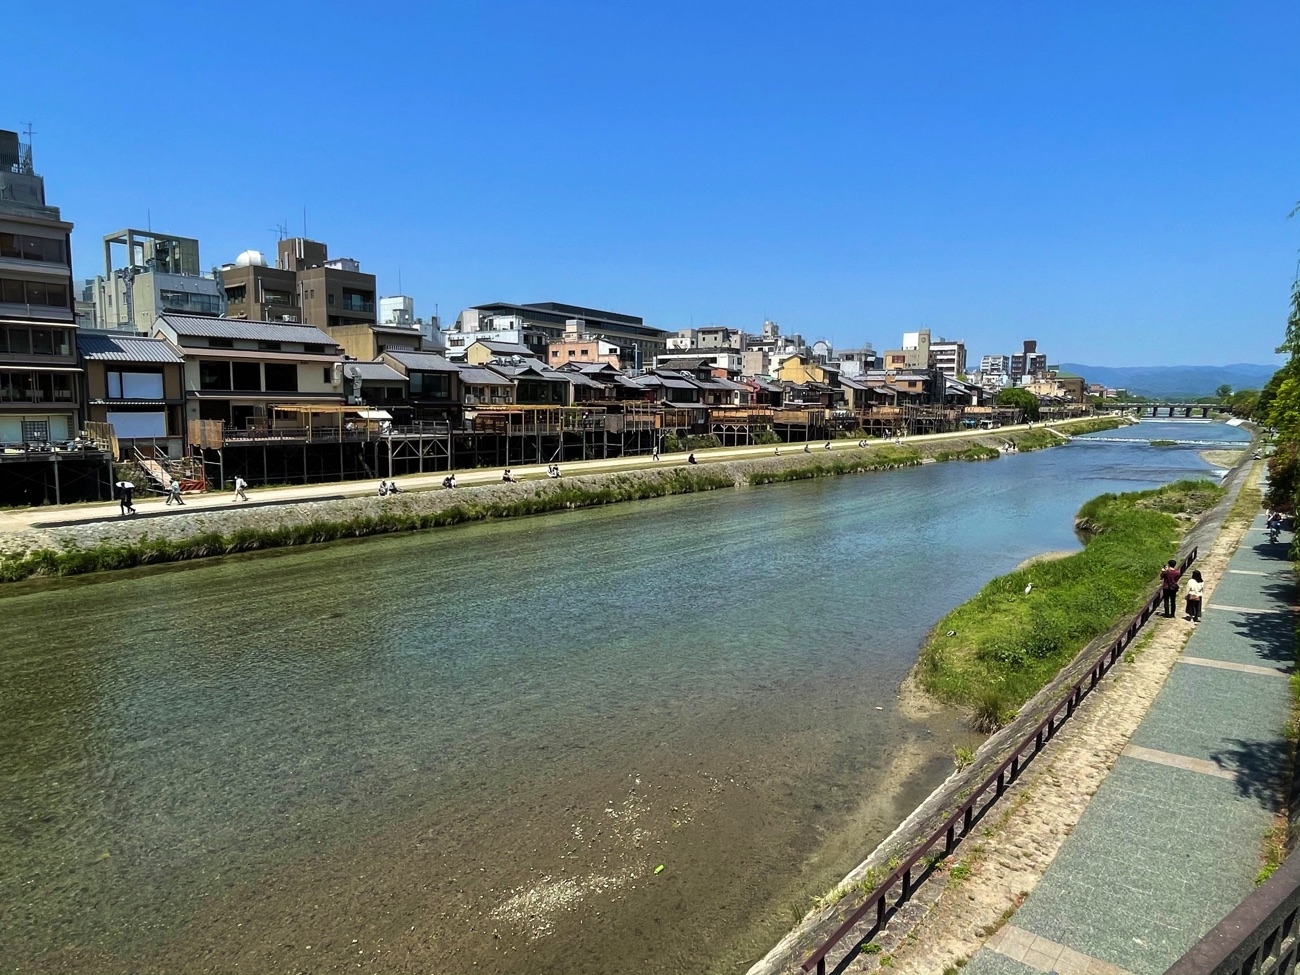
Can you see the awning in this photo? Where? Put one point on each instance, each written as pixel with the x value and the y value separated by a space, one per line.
pixel 373 414
pixel 6 367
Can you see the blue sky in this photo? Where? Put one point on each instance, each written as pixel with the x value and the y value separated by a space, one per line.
pixel 1111 179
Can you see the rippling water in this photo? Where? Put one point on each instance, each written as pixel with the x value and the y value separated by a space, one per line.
pixel 475 745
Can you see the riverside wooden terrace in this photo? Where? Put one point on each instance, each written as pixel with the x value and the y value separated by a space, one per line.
pixel 17 520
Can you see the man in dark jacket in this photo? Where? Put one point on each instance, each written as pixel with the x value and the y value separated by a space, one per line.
pixel 1169 577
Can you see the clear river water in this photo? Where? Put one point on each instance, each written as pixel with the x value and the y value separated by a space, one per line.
pixel 476 746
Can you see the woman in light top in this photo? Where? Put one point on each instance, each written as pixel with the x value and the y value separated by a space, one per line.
pixel 1195 593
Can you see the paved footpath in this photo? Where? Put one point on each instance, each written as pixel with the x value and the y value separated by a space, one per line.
pixel 1172 839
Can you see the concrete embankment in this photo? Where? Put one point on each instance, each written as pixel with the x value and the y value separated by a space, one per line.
pixel 85 546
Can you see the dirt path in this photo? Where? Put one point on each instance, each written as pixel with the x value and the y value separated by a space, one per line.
pixel 1044 806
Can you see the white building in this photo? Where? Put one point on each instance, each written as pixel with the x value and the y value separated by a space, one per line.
pixel 159 274
pixel 949 357
pixel 995 365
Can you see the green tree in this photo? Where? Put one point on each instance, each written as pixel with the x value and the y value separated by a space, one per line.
pixel 1020 399
pixel 1223 392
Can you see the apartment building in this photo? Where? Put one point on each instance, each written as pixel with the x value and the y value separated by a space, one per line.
pixel 40 379
pixel 304 286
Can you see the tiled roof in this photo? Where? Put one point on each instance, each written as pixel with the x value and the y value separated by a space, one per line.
pixel 373 371
pixel 506 348
pixel 482 377
pixel 107 347
pixel 423 360
pixel 237 328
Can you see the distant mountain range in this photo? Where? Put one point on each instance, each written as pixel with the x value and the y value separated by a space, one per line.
pixel 1172 381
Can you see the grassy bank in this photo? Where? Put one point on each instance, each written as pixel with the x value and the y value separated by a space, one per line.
pixel 880 458
pixel 557 496
pixel 420 510
pixel 1007 643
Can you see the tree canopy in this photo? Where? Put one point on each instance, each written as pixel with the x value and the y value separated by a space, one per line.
pixel 1021 399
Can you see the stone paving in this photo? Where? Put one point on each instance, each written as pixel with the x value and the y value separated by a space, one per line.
pixel 1172 839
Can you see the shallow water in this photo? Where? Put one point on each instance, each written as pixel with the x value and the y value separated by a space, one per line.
pixel 476 745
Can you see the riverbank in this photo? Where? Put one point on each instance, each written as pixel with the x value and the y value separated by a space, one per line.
pixel 1059 790
pixel 81 547
pixel 994 652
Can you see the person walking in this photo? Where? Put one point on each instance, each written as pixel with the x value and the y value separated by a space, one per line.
pixel 1195 594
pixel 241 486
pixel 174 492
pixel 1169 577
pixel 125 490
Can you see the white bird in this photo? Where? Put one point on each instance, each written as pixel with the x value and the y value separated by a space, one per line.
pixel 1028 587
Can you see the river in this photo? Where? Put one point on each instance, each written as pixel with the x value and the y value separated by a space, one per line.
pixel 476 746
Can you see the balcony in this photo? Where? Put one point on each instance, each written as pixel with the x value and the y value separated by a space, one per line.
pixel 354 304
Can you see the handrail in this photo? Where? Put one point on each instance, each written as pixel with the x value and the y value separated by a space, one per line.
pixel 1005 774
pixel 1258 937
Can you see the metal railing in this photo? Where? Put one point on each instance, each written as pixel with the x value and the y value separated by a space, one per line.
pixel 897 888
pixel 1259 937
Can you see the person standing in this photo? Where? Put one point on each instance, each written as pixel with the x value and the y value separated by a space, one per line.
pixel 240 487
pixel 1195 594
pixel 1169 577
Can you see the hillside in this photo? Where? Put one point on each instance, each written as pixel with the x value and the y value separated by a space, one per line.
pixel 1173 381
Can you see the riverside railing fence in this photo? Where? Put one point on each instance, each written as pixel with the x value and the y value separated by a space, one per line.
pixel 1259 937
pixel 897 888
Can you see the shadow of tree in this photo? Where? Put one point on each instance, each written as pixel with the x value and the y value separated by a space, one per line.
pixel 1271 636
pixel 1260 769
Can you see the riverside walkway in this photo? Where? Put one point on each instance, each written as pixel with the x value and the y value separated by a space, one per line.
pixel 20 519
pixel 1172 840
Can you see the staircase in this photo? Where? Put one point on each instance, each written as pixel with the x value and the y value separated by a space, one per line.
pixel 162 471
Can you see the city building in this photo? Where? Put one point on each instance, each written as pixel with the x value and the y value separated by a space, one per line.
pixel 397 310
pixel 575 347
pixel 237 371
pixel 537 325
pixel 305 285
pixel 949 357
pixel 40 380
pixel 914 354
pixel 1029 363
pixel 854 362
pixel 995 365
pixel 147 275
pixel 137 384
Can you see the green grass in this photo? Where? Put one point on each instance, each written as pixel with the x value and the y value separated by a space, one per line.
pixel 855 462
pixel 1094 424
pixel 71 560
pixel 974 452
pixel 1162 443
pixel 1008 643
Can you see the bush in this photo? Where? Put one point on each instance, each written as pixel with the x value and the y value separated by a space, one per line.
pixel 673 443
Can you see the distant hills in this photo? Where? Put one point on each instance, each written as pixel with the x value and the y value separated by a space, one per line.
pixel 1160 382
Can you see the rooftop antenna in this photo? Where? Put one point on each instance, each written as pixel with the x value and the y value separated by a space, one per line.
pixel 281 230
pixel 29 132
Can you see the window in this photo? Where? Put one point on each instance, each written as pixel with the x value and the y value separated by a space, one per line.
pixel 329 374
pixel 135 385
pixel 246 375
pixel 312 348
pixel 277 298
pixel 42 342
pixel 214 375
pixel 36 431
pixel 281 377
pixel 220 343
pixel 266 346
pixel 329 299
pixel 237 295
pixel 11 292
pixel 20 341
pixel 187 301
pixel 29 248
pixel 138 424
